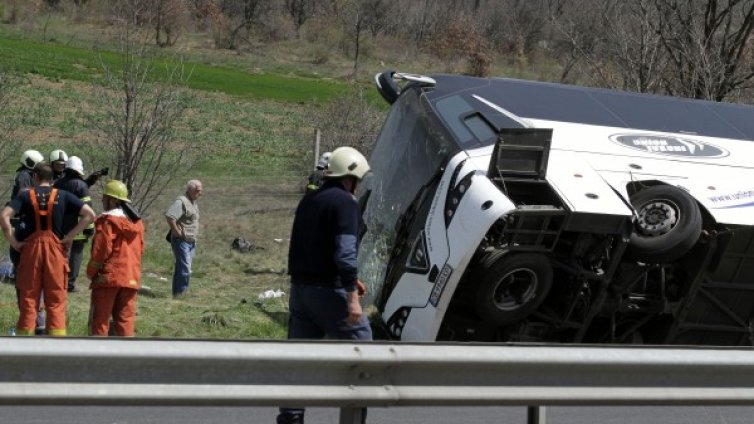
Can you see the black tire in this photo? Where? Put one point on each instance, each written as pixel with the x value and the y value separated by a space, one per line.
pixel 511 286
pixel 669 224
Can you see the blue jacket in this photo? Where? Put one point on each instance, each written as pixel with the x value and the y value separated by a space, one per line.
pixel 72 183
pixel 324 238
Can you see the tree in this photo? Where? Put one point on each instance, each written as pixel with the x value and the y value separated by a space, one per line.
pixel 708 45
pixel 514 27
pixel 166 17
pixel 143 101
pixel 353 16
pixel 236 19
pixel 300 11
pixel 349 120
pixel 460 38
pixel 688 48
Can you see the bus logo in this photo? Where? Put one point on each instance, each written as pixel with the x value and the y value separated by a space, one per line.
pixel 669 146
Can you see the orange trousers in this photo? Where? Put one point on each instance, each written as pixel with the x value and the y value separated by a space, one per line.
pixel 43 268
pixel 116 302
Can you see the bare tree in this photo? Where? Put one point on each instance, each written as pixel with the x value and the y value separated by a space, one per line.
pixel 236 20
pixel 167 18
pixel 349 120
pixel 616 42
pixel 143 102
pixel 459 39
pixel 378 15
pixel 687 48
pixel 708 44
pixel 513 26
pixel 579 30
pixel 353 16
pixel 300 11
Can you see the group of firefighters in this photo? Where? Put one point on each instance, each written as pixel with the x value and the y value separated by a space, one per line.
pixel 49 219
pixel 47 224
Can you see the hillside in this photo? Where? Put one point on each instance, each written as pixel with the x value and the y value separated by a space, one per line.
pixel 255 132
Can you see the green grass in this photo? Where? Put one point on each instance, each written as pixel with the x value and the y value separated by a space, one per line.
pixel 61 62
pixel 255 132
pixel 223 297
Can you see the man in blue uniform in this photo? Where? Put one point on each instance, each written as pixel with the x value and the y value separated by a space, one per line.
pixel 325 289
pixel 72 181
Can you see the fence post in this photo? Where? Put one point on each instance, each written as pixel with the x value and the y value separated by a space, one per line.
pixel 349 415
pixel 317 136
pixel 536 415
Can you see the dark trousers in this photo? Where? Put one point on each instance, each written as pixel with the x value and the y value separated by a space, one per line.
pixel 317 312
pixel 75 256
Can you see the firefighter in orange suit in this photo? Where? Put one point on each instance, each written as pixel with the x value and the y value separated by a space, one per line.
pixel 115 264
pixel 43 267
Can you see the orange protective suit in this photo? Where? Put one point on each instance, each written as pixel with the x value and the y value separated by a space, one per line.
pixel 115 271
pixel 43 268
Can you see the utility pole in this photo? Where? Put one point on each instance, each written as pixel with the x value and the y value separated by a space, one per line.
pixel 317 136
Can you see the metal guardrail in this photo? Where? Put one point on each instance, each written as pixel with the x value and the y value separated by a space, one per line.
pixel 43 371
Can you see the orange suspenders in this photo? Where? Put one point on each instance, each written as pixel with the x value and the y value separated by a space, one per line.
pixel 45 213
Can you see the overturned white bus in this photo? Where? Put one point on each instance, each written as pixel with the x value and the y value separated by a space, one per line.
pixel 509 210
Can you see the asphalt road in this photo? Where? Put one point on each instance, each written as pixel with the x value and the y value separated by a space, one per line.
pixel 441 415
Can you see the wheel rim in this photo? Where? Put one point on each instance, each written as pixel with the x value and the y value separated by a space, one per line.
pixel 658 217
pixel 515 289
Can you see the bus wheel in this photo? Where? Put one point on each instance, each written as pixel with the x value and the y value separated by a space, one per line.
pixel 669 224
pixel 512 287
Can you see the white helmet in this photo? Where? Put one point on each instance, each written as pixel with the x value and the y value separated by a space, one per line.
pixel 322 163
pixel 346 161
pixel 31 158
pixel 58 155
pixel 74 163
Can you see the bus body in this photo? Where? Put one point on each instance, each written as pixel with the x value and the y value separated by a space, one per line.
pixel 509 210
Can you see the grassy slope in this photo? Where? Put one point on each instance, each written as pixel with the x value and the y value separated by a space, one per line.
pixel 256 129
pixel 60 62
pixel 252 112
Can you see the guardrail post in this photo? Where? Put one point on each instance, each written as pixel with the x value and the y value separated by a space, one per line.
pixel 536 415
pixel 352 415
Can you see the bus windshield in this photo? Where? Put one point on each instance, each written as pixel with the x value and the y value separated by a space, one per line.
pixel 409 151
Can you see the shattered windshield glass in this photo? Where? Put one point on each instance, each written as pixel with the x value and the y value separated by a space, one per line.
pixel 410 149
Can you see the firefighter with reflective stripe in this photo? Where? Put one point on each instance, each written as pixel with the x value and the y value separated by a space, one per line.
pixel 72 181
pixel 317 178
pixel 115 265
pixel 58 158
pixel 43 268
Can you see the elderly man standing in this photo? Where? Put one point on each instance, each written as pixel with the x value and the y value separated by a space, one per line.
pixel 183 218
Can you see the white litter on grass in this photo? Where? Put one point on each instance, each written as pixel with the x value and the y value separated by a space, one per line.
pixel 163 278
pixel 271 294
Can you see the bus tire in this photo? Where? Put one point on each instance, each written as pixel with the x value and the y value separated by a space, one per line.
pixel 512 287
pixel 669 224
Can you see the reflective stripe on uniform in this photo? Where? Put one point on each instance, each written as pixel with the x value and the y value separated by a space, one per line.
pixel 56 332
pixel 81 235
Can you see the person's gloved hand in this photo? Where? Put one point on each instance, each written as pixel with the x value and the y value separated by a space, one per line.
pixel 361 288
